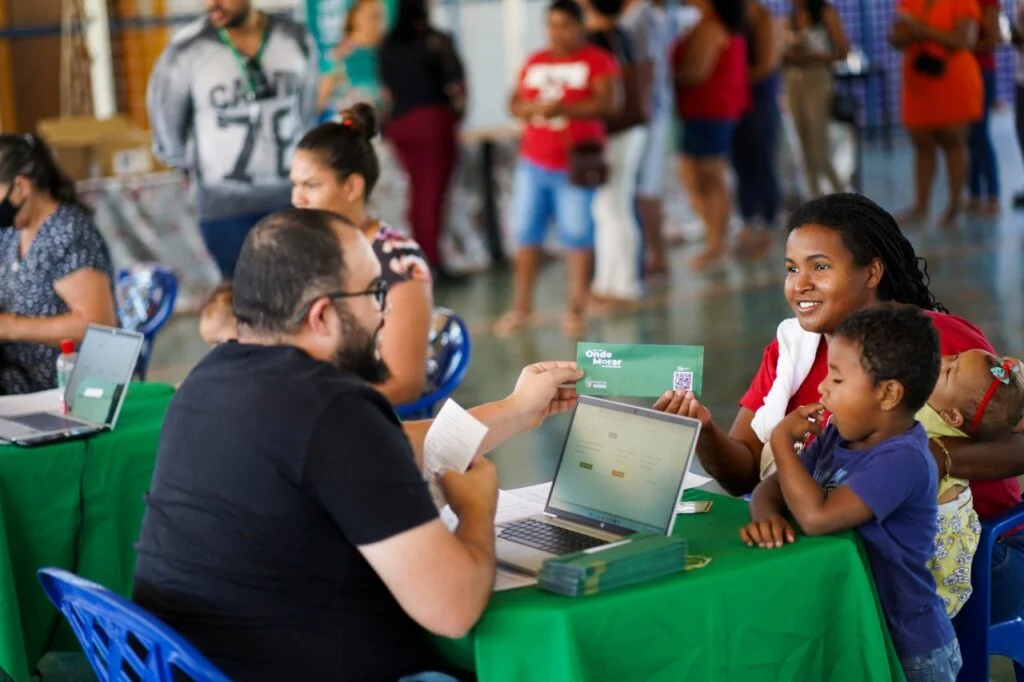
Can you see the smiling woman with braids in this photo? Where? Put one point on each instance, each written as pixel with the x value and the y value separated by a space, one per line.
pixel 845 253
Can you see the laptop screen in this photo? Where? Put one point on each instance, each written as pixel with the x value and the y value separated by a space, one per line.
pixel 103 370
pixel 623 466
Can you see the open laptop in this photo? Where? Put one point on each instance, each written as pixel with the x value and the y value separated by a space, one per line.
pixel 621 471
pixel 94 394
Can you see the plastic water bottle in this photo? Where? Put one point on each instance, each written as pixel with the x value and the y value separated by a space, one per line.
pixel 65 365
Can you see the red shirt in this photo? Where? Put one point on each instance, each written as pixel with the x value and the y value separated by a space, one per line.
pixel 725 95
pixel 956 335
pixel 986 60
pixel 566 79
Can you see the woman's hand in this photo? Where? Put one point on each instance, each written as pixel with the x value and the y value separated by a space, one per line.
pixel 771 531
pixel 799 424
pixel 684 404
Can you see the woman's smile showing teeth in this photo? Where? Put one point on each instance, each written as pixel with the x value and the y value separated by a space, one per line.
pixel 808 305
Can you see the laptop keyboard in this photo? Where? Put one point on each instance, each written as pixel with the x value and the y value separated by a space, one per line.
pixel 548 537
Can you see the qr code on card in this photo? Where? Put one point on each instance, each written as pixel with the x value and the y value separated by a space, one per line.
pixel 682 381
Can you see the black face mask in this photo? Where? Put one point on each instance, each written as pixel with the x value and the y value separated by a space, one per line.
pixel 8 210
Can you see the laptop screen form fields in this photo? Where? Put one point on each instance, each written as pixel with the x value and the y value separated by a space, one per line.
pixel 622 468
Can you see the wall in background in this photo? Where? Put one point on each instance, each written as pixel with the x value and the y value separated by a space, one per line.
pixel 29 44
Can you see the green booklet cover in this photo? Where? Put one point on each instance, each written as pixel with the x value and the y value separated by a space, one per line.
pixel 639 371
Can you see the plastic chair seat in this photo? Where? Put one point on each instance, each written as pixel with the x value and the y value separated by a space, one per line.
pixel 146 295
pixel 447 364
pixel 978 638
pixel 121 640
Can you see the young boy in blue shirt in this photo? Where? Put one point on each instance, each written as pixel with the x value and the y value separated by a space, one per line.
pixel 871 469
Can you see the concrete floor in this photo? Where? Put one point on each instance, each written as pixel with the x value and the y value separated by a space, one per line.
pixel 975 269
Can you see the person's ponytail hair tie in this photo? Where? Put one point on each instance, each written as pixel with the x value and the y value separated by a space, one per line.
pixel 345 144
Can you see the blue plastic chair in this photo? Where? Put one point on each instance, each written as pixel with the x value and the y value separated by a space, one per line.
pixel 121 640
pixel 145 300
pixel 979 639
pixel 446 367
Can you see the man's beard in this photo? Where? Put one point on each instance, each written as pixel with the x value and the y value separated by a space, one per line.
pixel 237 20
pixel 358 352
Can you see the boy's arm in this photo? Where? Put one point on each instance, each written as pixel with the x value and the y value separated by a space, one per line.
pixel 768 527
pixel 814 511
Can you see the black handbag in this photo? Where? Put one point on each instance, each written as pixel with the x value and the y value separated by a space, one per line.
pixel 587 167
pixel 928 64
pixel 844 108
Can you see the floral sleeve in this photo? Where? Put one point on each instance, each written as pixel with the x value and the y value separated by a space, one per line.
pixel 401 259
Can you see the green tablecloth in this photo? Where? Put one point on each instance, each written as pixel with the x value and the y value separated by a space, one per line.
pixel 808 611
pixel 42 494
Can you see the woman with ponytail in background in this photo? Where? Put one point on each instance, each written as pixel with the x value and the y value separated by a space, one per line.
pixel 335 168
pixel 55 271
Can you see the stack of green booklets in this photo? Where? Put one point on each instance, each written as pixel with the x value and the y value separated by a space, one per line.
pixel 642 556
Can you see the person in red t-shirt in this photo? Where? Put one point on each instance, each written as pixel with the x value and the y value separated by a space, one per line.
pixel 709 68
pixel 983 178
pixel 563 95
pixel 845 253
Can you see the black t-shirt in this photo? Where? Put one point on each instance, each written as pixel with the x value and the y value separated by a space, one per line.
pixel 416 71
pixel 272 468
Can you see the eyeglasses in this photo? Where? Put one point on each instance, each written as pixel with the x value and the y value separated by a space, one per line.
pixel 378 289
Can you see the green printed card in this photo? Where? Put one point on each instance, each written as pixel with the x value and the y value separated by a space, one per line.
pixel 625 370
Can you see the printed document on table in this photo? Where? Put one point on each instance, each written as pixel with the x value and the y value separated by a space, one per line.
pixel 452 442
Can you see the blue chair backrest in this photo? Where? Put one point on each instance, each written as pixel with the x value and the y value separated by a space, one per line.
pixel 451 351
pixel 121 640
pixel 979 638
pixel 145 300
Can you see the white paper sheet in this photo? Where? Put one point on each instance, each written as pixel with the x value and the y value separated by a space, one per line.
pixel 692 480
pixel 505 579
pixel 451 444
pixel 43 401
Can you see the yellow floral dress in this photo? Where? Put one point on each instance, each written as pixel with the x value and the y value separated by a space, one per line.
pixel 958 530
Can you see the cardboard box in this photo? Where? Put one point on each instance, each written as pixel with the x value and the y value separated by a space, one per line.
pixel 89 148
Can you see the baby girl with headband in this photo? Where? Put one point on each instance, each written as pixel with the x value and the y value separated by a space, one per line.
pixel 977 396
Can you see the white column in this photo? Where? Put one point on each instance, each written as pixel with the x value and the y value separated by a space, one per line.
pixel 97 39
pixel 512 12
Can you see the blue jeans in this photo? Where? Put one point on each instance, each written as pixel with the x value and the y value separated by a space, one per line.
pixel 224 238
pixel 938 665
pixel 753 158
pixel 540 196
pixel 1008 578
pixel 984 167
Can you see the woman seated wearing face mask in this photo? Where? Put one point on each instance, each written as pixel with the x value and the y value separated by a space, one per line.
pixel 55 272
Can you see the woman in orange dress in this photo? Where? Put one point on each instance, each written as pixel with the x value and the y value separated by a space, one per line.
pixel 942 91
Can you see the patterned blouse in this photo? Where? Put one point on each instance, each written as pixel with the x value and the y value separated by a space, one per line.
pixel 66 243
pixel 401 259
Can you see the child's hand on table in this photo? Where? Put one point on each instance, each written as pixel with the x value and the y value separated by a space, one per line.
pixel 767 533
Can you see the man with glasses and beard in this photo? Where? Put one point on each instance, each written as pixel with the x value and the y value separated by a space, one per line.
pixel 289 534
pixel 228 101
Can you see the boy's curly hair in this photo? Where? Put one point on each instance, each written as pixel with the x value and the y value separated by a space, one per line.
pixel 899 343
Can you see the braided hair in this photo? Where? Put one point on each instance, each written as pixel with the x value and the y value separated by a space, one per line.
pixel 345 145
pixel 870 232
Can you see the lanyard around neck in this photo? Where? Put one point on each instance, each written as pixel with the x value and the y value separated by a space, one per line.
pixel 243 61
